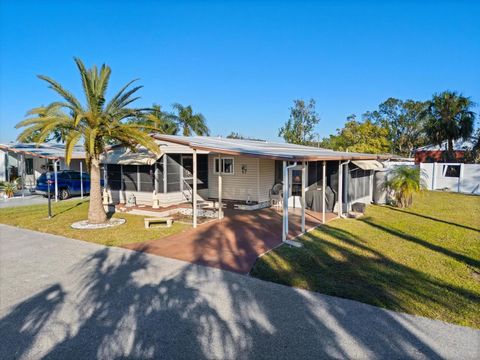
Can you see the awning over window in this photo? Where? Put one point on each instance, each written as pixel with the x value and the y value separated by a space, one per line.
pixel 125 156
pixel 368 164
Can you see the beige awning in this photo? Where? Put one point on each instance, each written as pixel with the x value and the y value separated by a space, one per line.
pixel 368 164
pixel 125 156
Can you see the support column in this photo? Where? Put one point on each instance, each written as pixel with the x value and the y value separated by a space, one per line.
pixel 303 197
pixel 55 172
pixel 340 188
pixel 220 185
pixel 324 188
pixel 22 161
pixel 194 195
pixel 285 202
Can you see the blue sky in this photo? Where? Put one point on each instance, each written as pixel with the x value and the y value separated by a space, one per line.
pixel 242 63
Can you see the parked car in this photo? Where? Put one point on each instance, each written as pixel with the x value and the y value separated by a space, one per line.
pixel 68 183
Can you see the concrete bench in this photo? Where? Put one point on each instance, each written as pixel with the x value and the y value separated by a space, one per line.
pixel 165 220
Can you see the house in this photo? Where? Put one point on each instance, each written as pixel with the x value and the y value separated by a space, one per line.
pixel 245 174
pixel 28 161
pixel 437 153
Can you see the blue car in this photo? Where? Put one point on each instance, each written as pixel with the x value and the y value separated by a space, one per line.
pixel 68 184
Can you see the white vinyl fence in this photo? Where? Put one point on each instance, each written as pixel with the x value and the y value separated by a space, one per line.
pixel 456 177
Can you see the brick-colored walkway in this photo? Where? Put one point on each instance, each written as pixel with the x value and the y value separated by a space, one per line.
pixel 233 243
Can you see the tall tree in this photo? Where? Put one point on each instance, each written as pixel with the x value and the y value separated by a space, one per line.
pixel 190 122
pixel 58 135
pixel 157 120
pixel 403 122
pixel 358 137
pixel 93 123
pixel 448 117
pixel 302 121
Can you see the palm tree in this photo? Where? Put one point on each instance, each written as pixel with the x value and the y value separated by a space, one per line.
pixel 405 181
pixel 448 116
pixel 95 123
pixel 157 120
pixel 190 122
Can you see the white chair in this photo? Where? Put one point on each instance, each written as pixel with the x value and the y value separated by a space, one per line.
pixel 276 195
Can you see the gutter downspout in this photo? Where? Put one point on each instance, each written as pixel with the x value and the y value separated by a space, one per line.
pixel 285 203
pixel 340 189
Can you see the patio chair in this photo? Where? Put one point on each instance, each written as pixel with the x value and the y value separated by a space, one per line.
pixel 276 195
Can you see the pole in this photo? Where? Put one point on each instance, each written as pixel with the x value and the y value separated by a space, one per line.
pixel 56 179
pixel 49 182
pixel 303 197
pixel 340 179
pixel 324 188
pixel 285 202
pixel 194 195
pixel 22 161
pixel 81 180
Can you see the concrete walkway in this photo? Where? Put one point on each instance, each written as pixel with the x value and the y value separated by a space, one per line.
pixel 65 299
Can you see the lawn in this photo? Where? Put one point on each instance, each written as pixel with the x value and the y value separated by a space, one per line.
pixel 424 260
pixel 67 212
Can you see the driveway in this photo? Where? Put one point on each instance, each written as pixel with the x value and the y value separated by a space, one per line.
pixel 233 243
pixel 27 200
pixel 63 298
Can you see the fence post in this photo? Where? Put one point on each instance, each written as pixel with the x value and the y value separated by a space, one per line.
pixel 434 176
pixel 460 178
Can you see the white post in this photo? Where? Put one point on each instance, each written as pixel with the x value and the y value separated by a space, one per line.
pixel 285 202
pixel 55 172
pixel 324 188
pixel 81 180
pixel 460 177
pixel 434 175
pixel 194 195
pixel 22 162
pixel 340 189
pixel 220 185
pixel 303 197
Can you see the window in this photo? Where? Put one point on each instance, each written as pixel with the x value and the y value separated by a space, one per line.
pixel 29 166
pixel 359 184
pixel 451 171
pixel 174 170
pixel 224 166
pixel 146 174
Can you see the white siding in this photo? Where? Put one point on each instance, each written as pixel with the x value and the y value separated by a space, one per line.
pixel 255 183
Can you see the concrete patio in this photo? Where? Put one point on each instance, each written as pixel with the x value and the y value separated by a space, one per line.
pixel 233 243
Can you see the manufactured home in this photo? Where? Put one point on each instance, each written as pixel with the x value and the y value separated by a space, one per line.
pixel 242 174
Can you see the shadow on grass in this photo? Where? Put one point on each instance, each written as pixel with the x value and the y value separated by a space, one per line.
pixel 350 269
pixel 125 305
pixel 432 218
pixel 67 209
pixel 426 244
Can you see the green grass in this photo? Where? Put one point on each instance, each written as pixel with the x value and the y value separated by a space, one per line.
pixel 424 260
pixel 67 212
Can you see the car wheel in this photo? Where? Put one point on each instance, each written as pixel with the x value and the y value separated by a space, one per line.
pixel 64 194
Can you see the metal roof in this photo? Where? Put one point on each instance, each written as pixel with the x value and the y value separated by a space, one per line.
pixel 45 150
pixel 458 145
pixel 263 149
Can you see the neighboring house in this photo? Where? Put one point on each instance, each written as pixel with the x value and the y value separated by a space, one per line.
pixel 436 153
pixel 241 173
pixel 29 161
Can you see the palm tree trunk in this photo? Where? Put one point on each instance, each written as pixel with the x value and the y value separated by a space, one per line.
pixel 96 212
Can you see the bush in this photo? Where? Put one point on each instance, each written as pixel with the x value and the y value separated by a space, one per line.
pixel 404 182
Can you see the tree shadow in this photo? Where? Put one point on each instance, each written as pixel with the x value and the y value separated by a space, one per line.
pixel 432 218
pixel 426 244
pixel 55 214
pixel 126 304
pixel 350 269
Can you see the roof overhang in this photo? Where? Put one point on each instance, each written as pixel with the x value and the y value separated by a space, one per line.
pixel 288 152
pixel 125 156
pixel 368 164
